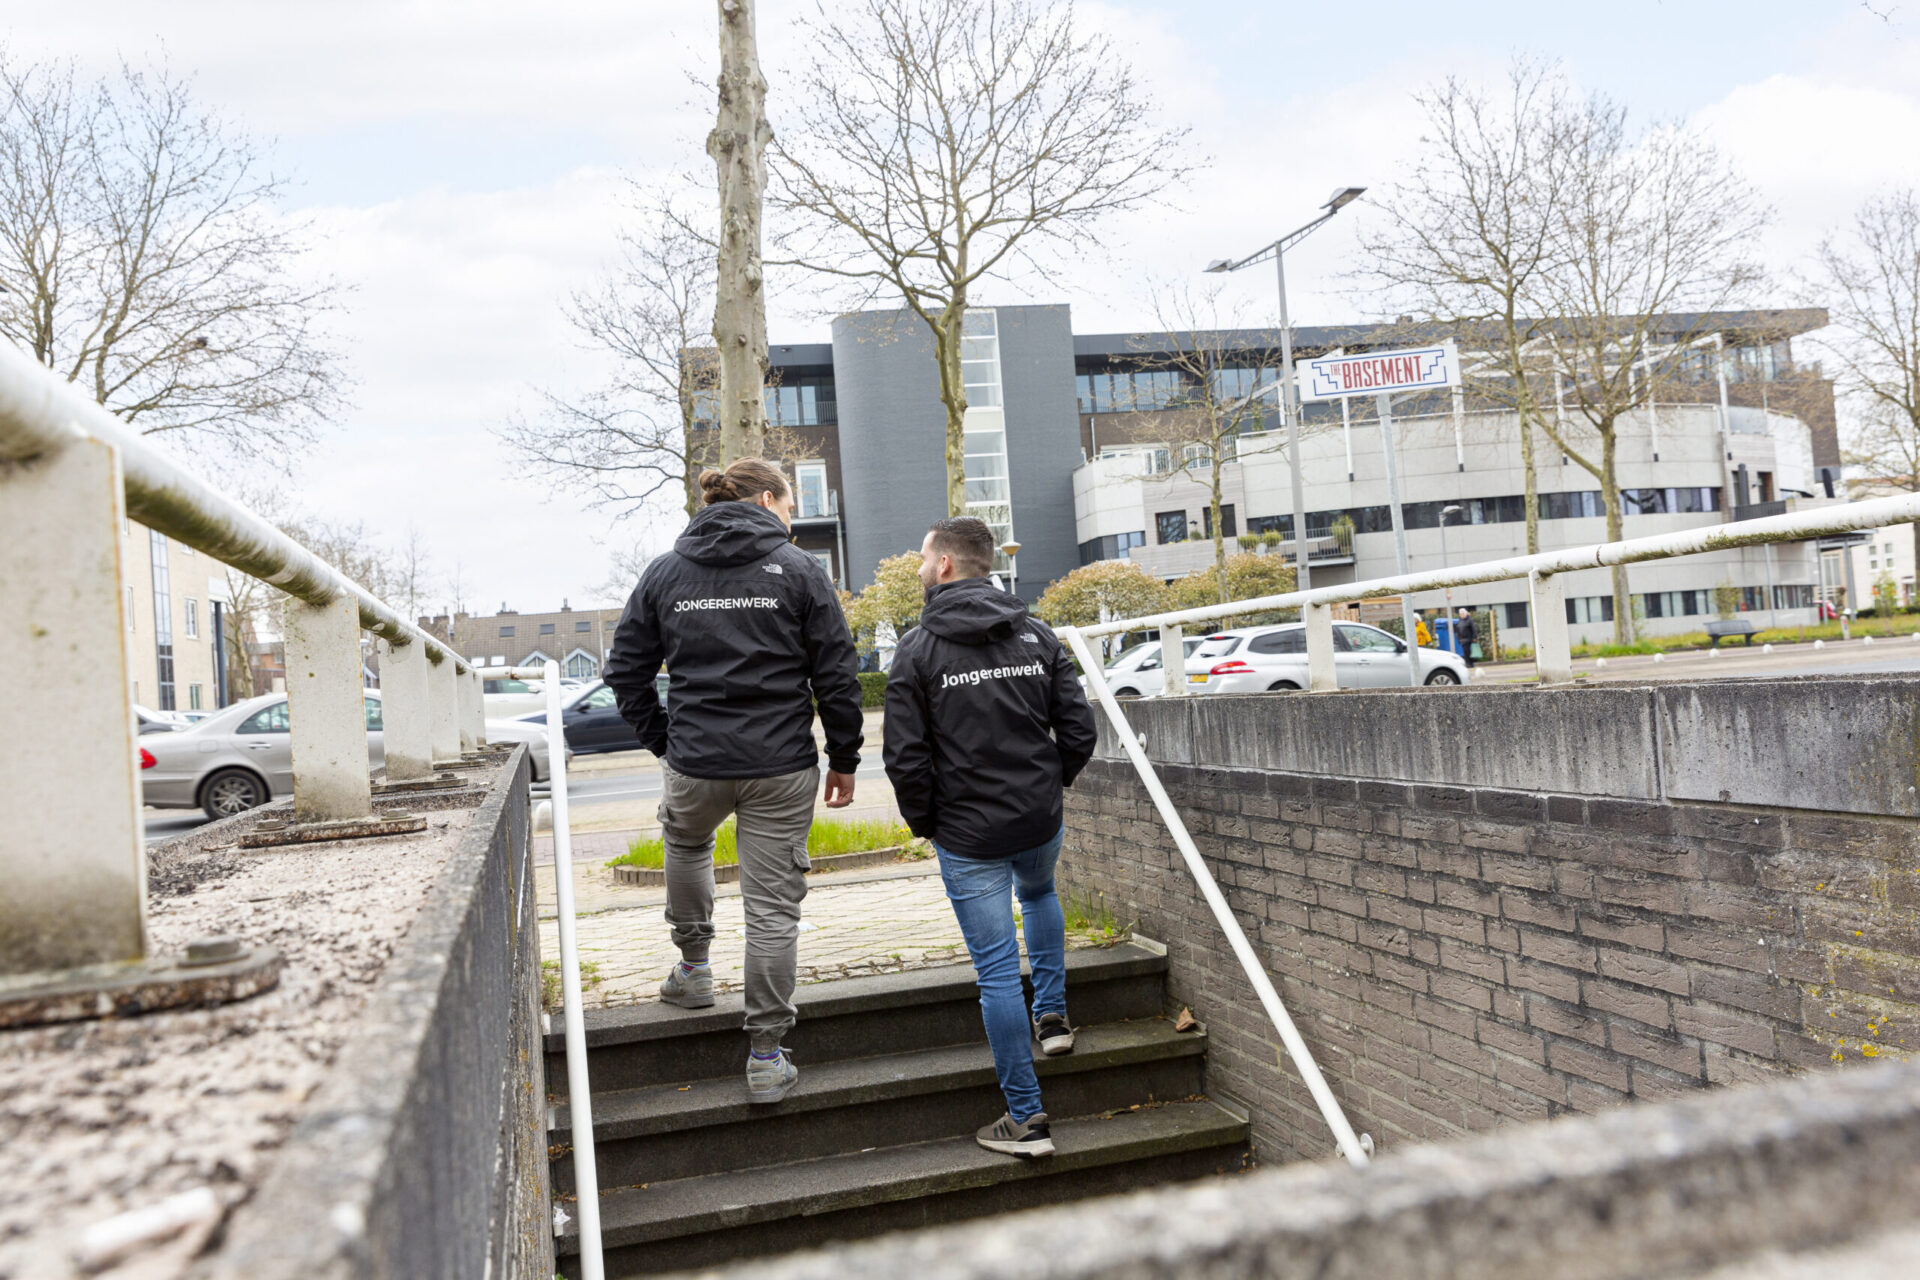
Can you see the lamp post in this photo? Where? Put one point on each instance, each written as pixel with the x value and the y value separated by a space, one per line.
pixel 1011 551
pixel 1289 397
pixel 1451 509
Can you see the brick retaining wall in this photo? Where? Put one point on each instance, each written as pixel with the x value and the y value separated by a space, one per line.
pixel 1458 956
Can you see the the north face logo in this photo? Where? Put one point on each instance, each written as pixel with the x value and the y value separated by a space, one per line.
pixel 1029 637
pixel 773 568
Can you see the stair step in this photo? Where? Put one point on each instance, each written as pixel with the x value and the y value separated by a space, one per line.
pixel 693 1222
pixel 668 1131
pixel 638 1046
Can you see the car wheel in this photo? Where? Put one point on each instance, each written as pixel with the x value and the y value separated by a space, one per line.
pixel 1126 693
pixel 1283 686
pixel 1443 676
pixel 232 791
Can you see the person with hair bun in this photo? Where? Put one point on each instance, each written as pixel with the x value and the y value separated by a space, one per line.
pixel 751 632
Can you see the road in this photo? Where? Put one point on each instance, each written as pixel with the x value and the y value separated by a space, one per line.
pixel 618 790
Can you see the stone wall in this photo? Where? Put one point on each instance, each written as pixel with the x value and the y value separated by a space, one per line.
pixel 424 1151
pixel 1492 905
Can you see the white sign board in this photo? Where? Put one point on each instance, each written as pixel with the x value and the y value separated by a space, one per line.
pixel 1380 372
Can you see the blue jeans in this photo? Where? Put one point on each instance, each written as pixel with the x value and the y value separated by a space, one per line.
pixel 978 889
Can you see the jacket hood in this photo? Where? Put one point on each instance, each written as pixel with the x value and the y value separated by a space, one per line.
pixel 732 533
pixel 973 611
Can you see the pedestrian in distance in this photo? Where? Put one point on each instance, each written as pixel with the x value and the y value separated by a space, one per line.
pixel 1422 633
pixel 752 635
pixel 1468 635
pixel 986 723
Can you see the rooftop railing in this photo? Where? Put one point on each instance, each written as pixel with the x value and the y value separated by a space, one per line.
pixel 73 852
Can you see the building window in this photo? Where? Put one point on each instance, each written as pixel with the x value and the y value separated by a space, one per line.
pixel 506 633
pixel 826 562
pixel 1170 526
pixel 162 621
pixel 1590 609
pixel 1227 529
pixel 582 626
pixel 1131 391
pixel 193 697
pixel 191 617
pixel 810 490
pixel 805 400
pixel 989 490
pixel 581 666
pixel 546 628
pixel 1513 614
pixel 1796 596
pixel 980 358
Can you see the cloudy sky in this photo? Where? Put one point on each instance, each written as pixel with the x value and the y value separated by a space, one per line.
pixel 461 166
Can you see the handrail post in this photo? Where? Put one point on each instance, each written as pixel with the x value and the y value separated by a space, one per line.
pixel 1173 660
pixel 326 711
pixel 1322 675
pixel 473 714
pixel 74 872
pixel 406 710
pixel 444 718
pixel 1552 649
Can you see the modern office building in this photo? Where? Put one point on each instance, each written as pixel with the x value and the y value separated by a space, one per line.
pixel 1072 453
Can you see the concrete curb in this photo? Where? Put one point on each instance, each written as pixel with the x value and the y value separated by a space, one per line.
pixel 648 876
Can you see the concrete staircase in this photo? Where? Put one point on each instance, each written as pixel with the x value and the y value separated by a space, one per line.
pixel 878 1134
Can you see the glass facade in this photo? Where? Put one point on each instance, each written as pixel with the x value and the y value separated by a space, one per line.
pixel 989 487
pixel 162 621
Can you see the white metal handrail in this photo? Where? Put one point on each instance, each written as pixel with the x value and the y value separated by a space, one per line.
pixel 1355 1149
pixel 586 1179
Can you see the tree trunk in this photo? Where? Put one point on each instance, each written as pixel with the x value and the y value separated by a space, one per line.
pixel 953 395
pixel 738 145
pixel 1219 534
pixel 1532 477
pixel 1610 498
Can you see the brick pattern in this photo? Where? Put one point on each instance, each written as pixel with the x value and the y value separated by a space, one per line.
pixel 1459 958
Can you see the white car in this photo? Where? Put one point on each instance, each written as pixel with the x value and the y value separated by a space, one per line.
pixel 509 698
pixel 1136 673
pixel 1274 660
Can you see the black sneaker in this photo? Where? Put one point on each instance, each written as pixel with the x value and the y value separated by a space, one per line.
pixel 1054 1035
pixel 1013 1138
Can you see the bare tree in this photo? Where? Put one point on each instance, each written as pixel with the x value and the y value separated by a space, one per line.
pixel 647 429
pixel 1871 283
pixel 625 563
pixel 1218 400
pixel 1471 230
pixel 942 142
pixel 738 145
pixel 1655 233
pixel 141 258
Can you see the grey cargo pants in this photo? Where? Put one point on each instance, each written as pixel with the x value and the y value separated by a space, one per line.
pixel 772 818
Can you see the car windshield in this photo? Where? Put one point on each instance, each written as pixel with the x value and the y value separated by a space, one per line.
pixel 1131 655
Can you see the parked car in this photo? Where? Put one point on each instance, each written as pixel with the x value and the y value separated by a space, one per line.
pixel 151 721
pixel 1136 673
pixel 240 758
pixel 1274 660
pixel 509 698
pixel 593 723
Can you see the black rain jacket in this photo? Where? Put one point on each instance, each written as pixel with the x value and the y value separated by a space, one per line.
pixel 751 632
pixel 986 723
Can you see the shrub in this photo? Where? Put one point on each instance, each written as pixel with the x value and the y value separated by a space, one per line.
pixel 828 836
pixel 873 689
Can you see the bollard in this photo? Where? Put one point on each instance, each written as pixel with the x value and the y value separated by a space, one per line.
pixel 444 698
pixel 406 710
pixel 1552 648
pixel 1173 661
pixel 72 859
pixel 1322 675
pixel 473 712
pixel 326 711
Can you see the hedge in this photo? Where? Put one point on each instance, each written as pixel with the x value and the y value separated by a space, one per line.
pixel 873 689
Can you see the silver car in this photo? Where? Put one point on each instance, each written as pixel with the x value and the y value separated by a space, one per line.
pixel 239 758
pixel 1274 660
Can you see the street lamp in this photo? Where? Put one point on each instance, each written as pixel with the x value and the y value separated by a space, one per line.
pixel 1011 550
pixel 1289 394
pixel 1451 509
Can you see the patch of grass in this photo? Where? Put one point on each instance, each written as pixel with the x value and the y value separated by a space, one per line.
pixel 827 837
pixel 550 981
pixel 1090 915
